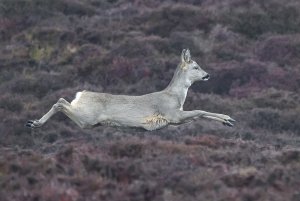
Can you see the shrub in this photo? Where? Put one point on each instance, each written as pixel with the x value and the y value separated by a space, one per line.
pixel 43 8
pixel 175 18
pixel 258 17
pixel 11 103
pixel 291 121
pixel 275 120
pixel 265 118
pixel 131 150
pixel 276 99
pixel 114 170
pixel 50 138
pixel 283 49
pixel 227 76
pixel 134 48
pixel 251 24
pixel 39 85
pixel 192 40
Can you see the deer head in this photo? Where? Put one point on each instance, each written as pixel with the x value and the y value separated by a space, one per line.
pixel 190 69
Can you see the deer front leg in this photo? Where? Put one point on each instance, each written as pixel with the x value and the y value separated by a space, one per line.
pixel 184 116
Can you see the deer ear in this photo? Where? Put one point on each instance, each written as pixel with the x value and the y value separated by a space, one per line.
pixel 182 55
pixel 186 56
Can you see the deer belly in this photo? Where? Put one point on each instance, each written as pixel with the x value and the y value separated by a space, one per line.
pixel 155 121
pixel 110 123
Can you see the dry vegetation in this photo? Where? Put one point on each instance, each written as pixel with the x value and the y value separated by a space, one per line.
pixel 53 48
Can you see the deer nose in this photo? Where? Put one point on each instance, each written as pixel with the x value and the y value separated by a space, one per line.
pixel 206 77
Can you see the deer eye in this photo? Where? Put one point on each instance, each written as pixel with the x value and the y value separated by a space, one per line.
pixel 196 68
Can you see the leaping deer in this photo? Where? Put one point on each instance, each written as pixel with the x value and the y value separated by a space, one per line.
pixel 150 111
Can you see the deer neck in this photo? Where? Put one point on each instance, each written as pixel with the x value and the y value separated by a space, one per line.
pixel 178 87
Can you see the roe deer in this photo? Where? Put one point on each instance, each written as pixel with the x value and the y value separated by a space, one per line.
pixel 150 111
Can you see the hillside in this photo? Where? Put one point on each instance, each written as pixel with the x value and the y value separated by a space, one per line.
pixel 54 48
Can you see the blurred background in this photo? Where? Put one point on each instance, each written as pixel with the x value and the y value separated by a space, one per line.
pixel 54 48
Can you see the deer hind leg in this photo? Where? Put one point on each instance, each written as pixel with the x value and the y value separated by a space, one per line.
pixel 61 106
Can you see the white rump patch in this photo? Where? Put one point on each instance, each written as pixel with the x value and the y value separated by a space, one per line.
pixel 78 95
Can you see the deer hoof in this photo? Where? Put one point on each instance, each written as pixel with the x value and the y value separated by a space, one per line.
pixel 227 123
pixel 33 124
pixel 231 120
